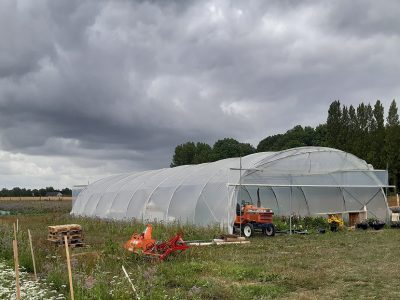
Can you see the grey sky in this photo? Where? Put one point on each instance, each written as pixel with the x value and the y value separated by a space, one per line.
pixel 89 88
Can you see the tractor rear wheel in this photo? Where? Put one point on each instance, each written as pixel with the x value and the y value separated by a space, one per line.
pixel 269 230
pixel 247 230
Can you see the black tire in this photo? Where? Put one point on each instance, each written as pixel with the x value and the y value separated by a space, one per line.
pixel 234 229
pixel 269 230
pixel 247 230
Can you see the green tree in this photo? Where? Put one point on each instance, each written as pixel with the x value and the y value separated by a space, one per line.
pixel 270 143
pixel 184 154
pixel 362 142
pixel 320 135
pixel 66 192
pixel 203 153
pixel 343 137
pixel 392 143
pixel 334 124
pixel 376 155
pixel 230 147
pixel 353 130
pixel 295 137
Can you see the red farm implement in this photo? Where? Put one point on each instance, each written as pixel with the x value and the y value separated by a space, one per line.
pixel 144 244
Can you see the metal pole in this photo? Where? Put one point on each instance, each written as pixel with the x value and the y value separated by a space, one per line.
pixel 290 216
pixel 240 195
pixel 229 205
pixel 387 170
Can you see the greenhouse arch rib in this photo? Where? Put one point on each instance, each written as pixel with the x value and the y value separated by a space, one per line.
pixel 344 200
pixel 119 180
pixel 86 191
pixel 276 198
pixel 341 190
pixel 87 199
pixel 180 184
pixel 305 200
pixel 138 175
pixel 200 194
pixel 137 188
pixel 158 185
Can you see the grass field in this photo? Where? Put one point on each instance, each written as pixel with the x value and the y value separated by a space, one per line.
pixel 344 265
pixel 36 198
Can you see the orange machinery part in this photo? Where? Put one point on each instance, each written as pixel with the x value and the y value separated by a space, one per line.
pixel 144 244
pixel 141 242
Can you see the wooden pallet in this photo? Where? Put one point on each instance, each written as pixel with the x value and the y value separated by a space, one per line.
pixel 61 239
pixel 67 234
pixel 392 201
pixel 77 245
pixel 71 243
pixel 73 232
pixel 64 228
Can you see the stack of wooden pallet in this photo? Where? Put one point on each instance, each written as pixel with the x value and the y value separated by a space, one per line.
pixel 73 232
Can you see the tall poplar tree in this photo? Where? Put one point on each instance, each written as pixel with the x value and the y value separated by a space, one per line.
pixel 377 142
pixel 362 134
pixel 392 143
pixel 334 124
pixel 344 133
pixel 353 130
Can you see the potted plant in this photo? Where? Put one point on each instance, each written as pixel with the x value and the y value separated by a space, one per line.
pixel 335 223
pixel 362 225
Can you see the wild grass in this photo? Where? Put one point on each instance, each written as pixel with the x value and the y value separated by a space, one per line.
pixel 343 265
pixel 15 207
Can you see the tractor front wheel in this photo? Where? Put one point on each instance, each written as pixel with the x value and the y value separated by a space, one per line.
pixel 269 230
pixel 247 230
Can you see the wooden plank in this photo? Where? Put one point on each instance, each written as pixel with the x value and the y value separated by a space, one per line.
pixel 219 242
pixel 232 239
pixel 15 232
pixel 200 243
pixel 16 262
pixel 71 286
pixel 33 256
pixel 66 227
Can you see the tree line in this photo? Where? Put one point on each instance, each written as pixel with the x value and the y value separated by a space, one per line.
pixel 22 192
pixel 363 131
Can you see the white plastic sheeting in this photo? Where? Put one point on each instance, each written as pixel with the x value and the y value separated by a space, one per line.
pixel 302 181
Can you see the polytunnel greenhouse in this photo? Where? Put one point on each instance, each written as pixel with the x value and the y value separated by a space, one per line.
pixel 302 181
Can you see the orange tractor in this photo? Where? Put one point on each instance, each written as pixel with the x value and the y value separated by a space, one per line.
pixel 144 244
pixel 250 218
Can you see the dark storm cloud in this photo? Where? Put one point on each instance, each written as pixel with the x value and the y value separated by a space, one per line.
pixel 126 81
